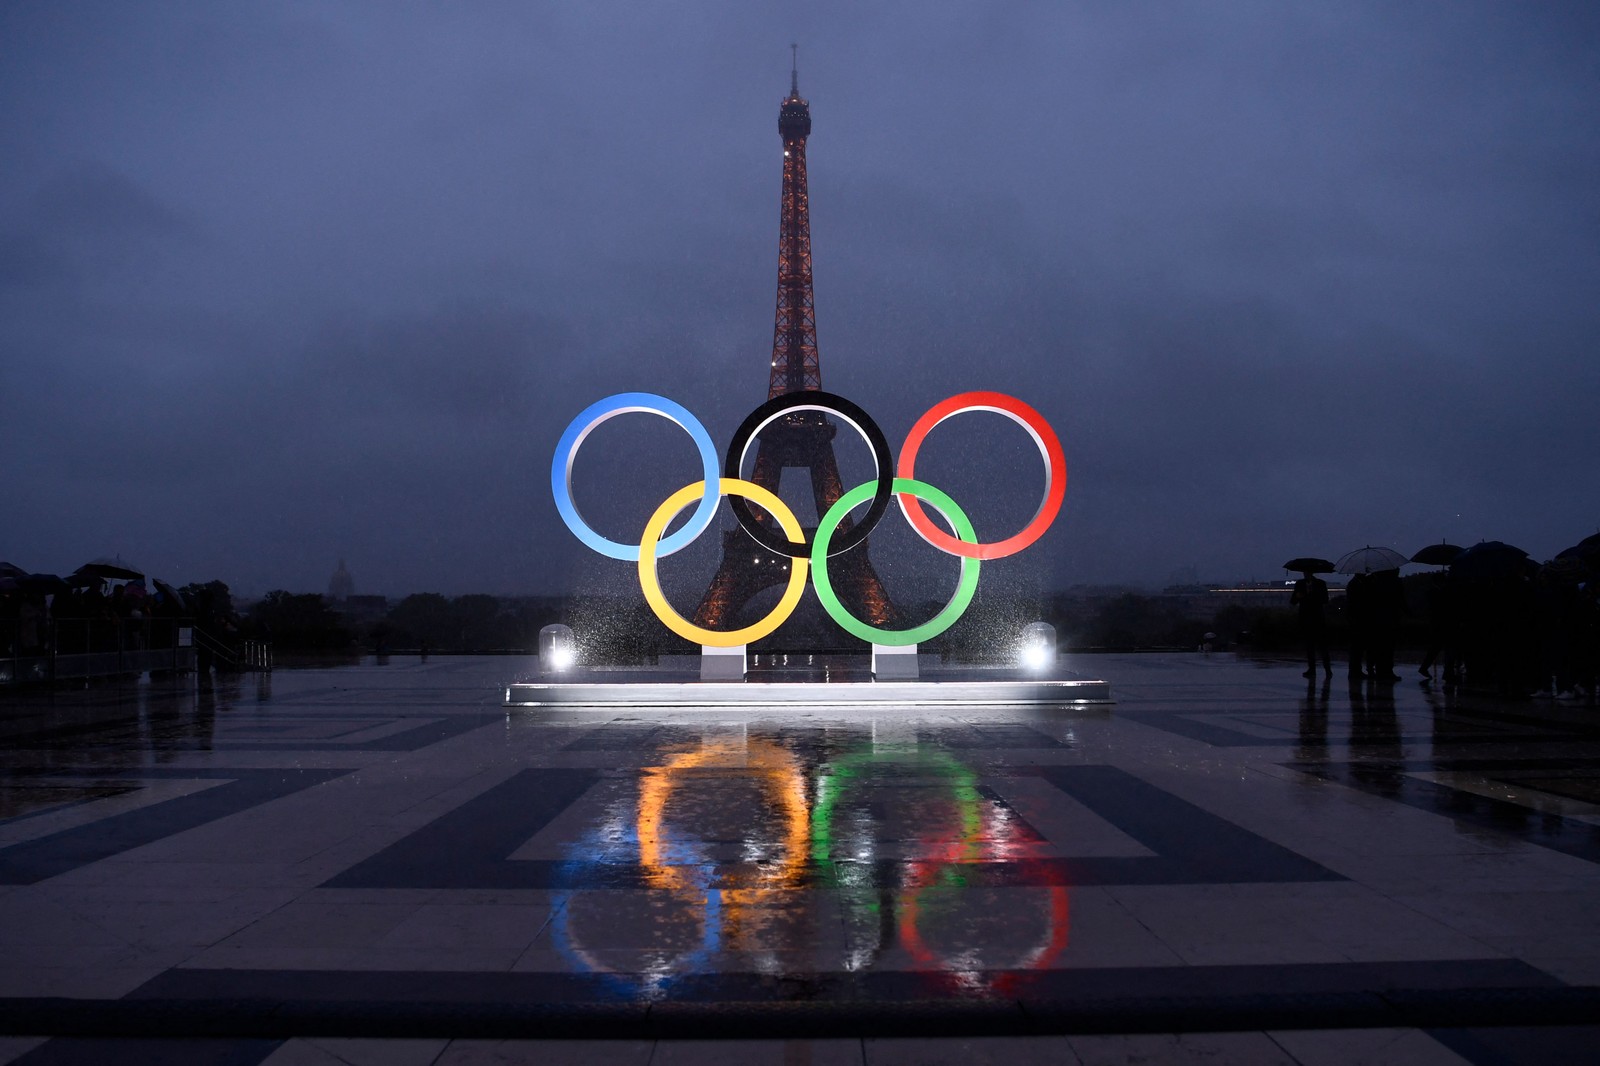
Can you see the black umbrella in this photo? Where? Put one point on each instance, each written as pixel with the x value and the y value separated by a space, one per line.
pixel 1309 564
pixel 11 570
pixel 1440 554
pixel 107 572
pixel 171 593
pixel 81 580
pixel 1570 567
pixel 1575 560
pixel 1491 559
pixel 45 584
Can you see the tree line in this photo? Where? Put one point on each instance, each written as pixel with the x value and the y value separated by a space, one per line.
pixel 620 629
pixel 424 621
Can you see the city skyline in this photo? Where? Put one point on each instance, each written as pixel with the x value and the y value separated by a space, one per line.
pixel 294 285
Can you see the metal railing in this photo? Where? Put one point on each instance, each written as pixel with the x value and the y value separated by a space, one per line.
pixel 63 649
pixel 241 655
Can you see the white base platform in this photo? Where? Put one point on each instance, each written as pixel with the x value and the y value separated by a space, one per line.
pixel 678 685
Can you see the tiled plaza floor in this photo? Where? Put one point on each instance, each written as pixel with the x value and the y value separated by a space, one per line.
pixel 383 864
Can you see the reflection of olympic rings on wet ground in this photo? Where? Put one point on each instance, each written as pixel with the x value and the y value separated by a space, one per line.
pixel 703 909
pixel 965 967
pixel 899 483
pixel 726 900
pixel 665 859
pixel 652 966
pixel 935 879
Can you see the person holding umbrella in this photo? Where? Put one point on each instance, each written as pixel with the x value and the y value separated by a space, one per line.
pixel 1311 597
pixel 1440 603
pixel 1371 599
pixel 1388 604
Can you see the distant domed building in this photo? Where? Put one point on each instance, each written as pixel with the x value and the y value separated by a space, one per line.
pixel 341 586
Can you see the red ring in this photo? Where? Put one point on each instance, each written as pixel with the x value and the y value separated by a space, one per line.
pixel 1055 461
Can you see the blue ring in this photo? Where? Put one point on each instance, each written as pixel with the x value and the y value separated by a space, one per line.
pixel 611 406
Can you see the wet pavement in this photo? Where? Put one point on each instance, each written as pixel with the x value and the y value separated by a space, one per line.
pixel 380 863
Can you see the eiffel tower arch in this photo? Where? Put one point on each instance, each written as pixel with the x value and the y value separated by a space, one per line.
pixel 802 441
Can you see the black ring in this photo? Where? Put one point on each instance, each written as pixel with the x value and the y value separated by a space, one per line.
pixel 815 400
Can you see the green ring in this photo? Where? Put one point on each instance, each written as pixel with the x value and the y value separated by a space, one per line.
pixel 894 638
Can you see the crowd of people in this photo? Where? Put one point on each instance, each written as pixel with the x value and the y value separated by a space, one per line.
pixel 94 617
pixel 42 615
pixel 1519 630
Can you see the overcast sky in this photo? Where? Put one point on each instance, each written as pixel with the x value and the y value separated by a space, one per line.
pixel 284 283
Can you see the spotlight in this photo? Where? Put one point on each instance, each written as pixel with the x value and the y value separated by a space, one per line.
pixel 558 650
pixel 1038 646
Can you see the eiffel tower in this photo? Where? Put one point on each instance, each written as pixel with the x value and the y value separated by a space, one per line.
pixel 803 440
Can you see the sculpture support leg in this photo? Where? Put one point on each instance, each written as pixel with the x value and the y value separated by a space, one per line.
pixel 894 663
pixel 722 664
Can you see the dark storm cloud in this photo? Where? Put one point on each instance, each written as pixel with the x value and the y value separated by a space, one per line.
pixel 27 261
pixel 94 201
pixel 85 220
pixel 288 284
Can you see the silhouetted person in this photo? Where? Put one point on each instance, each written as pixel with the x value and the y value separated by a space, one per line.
pixel 1311 597
pixel 97 612
pixel 10 612
pixel 1556 608
pixel 1499 611
pixel 66 610
pixel 1387 602
pixel 30 625
pixel 1441 606
pixel 1586 638
pixel 1358 610
pixel 205 609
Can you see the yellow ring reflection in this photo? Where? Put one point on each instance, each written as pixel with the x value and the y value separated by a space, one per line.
pixel 782 779
pixel 673 506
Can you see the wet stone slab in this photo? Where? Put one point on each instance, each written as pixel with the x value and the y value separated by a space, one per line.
pixel 388 854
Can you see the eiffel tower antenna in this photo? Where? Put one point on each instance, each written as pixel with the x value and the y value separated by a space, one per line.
pixel 794 70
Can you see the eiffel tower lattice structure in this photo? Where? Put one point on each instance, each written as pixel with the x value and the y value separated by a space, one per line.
pixel 799 441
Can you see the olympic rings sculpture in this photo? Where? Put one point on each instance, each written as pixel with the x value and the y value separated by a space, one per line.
pixel 890 481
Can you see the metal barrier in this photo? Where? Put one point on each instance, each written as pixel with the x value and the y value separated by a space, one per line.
pixel 245 655
pixel 67 649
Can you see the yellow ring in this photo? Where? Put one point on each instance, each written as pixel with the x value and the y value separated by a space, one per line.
pixel 675 505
